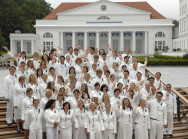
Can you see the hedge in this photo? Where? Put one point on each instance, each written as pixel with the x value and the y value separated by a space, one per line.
pixel 166 62
pixel 158 56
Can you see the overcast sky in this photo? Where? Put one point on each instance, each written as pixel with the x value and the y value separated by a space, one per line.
pixel 168 8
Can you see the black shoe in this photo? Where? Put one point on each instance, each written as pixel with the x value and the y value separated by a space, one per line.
pixel 18 131
pixel 9 124
pixel 165 135
pixel 171 135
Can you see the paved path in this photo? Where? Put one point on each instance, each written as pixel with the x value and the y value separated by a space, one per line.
pixel 177 76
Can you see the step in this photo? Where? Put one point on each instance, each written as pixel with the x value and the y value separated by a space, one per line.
pixel 4 133
pixel 3 103
pixel 8 128
pixel 3 109
pixel 2 115
pixel 3 121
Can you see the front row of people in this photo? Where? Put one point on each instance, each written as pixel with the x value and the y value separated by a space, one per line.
pixel 82 123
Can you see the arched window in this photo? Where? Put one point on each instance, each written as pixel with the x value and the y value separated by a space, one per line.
pixel 103 18
pixel 159 34
pixel 48 35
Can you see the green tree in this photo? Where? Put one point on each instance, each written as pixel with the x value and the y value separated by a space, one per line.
pixel 21 15
pixel 176 23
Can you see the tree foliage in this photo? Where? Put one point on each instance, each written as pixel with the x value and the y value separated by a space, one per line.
pixel 176 23
pixel 21 15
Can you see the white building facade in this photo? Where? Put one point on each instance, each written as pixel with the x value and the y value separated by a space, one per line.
pixel 182 41
pixel 123 25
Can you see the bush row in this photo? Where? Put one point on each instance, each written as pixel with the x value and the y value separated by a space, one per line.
pixel 166 62
pixel 167 57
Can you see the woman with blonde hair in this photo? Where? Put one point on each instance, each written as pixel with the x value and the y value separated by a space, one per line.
pixel 60 101
pixel 30 69
pixel 105 99
pixel 94 123
pixel 44 68
pixel 32 83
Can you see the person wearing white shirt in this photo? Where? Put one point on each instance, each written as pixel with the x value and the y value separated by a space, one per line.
pixel 139 81
pixel 60 82
pixel 170 100
pixel 140 65
pixel 142 121
pixel 134 71
pixel 114 70
pixel 68 61
pixel 78 66
pixel 60 101
pixel 65 125
pixel 39 74
pixel 61 68
pixel 36 60
pixel 104 60
pixel 80 114
pixel 32 83
pixel 21 70
pixel 157 82
pixel 94 123
pixel 73 100
pixel 112 84
pixel 110 123
pixel 101 80
pixel 70 54
pixel 97 62
pixel 18 96
pixel 96 92
pixel 144 92
pixel 126 63
pixel 125 121
pixel 52 119
pixel 27 104
pixel 114 58
pixel 88 81
pixel 128 54
pixel 30 68
pixel 43 101
pixel 10 82
pixel 93 71
pixel 43 85
pixel 126 80
pixel 51 86
pixel 86 98
pixel 152 94
pixel 43 66
pixel 52 76
pixel 35 117
pixel 158 116
pixel 91 54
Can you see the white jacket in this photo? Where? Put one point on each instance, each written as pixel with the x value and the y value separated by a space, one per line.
pixel 10 82
pixel 142 117
pixel 110 121
pixel 19 94
pixel 158 111
pixel 42 88
pixel 72 101
pixel 66 119
pixel 94 121
pixel 99 95
pixel 51 116
pixel 60 69
pixel 35 88
pixel 35 117
pixel 126 116
pixel 81 117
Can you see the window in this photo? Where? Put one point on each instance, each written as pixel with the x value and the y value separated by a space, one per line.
pixel 18 45
pixel 159 34
pixel 28 47
pixel 48 45
pixel 47 35
pixel 81 43
pixel 103 18
pixel 159 45
pixel 68 43
pixel 92 43
pixel 115 44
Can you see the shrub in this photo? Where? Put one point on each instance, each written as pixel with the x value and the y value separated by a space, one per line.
pixel 158 56
pixel 178 49
pixel 174 50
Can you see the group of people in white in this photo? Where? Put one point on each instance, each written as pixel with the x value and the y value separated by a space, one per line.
pixel 87 94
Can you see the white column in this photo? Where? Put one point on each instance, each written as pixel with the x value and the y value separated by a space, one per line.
pixel 85 41
pixel 146 42
pixel 11 46
pixel 133 42
pixel 121 40
pixel 73 40
pixel 62 38
pixel 97 40
pixel 21 45
pixel 32 47
pixel 110 38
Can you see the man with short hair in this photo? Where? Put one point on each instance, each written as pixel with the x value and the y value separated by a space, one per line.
pixel 158 116
pixel 10 82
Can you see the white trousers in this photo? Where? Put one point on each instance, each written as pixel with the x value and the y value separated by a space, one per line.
pixel 10 109
pixel 141 131
pixel 108 134
pixel 125 131
pixel 170 121
pixel 51 133
pixel 80 133
pixel 156 129
pixel 65 133
pixel 35 133
pixel 95 134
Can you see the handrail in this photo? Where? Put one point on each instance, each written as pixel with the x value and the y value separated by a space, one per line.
pixel 173 90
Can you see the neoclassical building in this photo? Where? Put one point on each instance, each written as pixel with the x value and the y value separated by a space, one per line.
pixel 182 41
pixel 134 25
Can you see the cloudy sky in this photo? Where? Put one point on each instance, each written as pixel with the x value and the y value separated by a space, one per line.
pixel 168 8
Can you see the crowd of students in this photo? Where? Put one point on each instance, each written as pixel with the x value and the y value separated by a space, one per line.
pixel 87 94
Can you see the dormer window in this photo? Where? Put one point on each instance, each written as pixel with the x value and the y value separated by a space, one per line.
pixel 103 18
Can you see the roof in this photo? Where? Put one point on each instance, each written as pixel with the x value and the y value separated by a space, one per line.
pixel 138 5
